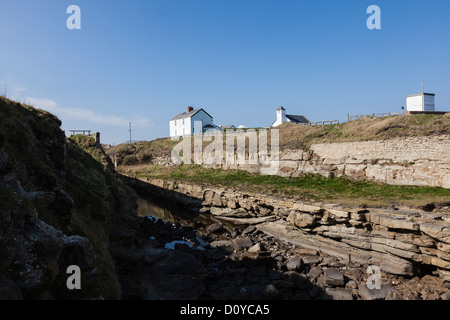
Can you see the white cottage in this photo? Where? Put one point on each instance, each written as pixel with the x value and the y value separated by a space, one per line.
pixel 282 117
pixel 190 122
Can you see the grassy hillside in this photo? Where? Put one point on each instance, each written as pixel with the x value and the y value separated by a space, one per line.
pixel 370 128
pixel 293 136
pixel 308 187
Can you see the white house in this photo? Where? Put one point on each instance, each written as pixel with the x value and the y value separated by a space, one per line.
pixel 282 117
pixel 190 122
pixel 420 102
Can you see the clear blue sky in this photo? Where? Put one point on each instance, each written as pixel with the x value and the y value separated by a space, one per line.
pixel 146 60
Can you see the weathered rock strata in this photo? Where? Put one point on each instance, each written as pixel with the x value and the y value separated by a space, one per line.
pixel 401 242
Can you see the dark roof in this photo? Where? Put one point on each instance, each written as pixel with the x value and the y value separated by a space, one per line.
pixel 297 119
pixel 419 94
pixel 281 108
pixel 189 114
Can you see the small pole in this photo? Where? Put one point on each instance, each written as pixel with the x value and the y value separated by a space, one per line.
pixel 130 134
pixel 423 98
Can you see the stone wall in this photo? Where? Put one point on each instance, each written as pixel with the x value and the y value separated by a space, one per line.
pixel 402 242
pixel 422 161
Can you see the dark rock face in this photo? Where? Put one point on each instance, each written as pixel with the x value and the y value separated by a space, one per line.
pixel 176 275
pixel 42 253
pixel 50 191
pixel 9 290
pixel 150 273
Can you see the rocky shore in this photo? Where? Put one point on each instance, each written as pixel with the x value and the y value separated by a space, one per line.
pixel 218 260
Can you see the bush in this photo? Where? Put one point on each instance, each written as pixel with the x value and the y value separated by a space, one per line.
pixel 130 160
pixel 145 157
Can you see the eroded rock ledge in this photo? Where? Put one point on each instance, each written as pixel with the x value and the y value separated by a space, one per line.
pixel 401 242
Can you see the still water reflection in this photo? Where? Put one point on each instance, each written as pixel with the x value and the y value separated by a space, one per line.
pixel 175 213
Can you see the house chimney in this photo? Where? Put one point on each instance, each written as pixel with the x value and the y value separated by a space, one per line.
pixel 190 109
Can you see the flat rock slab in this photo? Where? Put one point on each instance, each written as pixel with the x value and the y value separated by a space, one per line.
pixel 311 259
pixel 248 230
pixel 226 245
pixel 388 263
pixel 242 243
pixel 375 294
pixel 339 294
pixel 247 221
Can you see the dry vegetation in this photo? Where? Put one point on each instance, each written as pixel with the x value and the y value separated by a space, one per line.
pixel 141 152
pixel 297 136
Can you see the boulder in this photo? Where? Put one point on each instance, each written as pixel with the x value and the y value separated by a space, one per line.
pixel 294 264
pixel 215 227
pixel 300 281
pixel 302 220
pixel 334 277
pixel 255 248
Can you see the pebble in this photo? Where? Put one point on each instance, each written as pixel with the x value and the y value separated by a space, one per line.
pixel 255 248
pixel 215 227
pixel 351 285
pixel 249 230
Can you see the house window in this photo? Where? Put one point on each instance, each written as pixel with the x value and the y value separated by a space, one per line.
pixel 183 122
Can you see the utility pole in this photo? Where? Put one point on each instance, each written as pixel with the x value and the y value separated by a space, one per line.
pixel 423 98
pixel 131 141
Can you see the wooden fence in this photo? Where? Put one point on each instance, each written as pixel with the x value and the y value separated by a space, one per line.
pixel 322 123
pixel 378 115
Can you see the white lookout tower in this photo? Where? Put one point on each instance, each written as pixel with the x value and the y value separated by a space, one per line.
pixel 420 102
pixel 281 115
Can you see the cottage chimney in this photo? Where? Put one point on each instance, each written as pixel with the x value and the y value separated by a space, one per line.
pixel 190 109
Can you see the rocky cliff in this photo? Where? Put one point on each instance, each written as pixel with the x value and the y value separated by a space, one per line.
pixel 61 204
pixel 57 205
